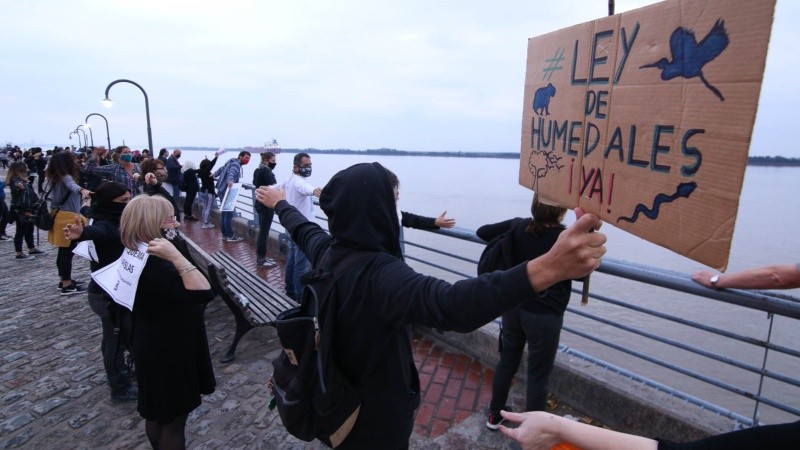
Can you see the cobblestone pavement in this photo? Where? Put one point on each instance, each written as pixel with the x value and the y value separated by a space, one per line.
pixel 53 391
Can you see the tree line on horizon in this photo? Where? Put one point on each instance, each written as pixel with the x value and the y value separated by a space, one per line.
pixel 751 160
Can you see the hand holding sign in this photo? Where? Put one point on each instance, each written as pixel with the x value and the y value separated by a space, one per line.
pixel 576 253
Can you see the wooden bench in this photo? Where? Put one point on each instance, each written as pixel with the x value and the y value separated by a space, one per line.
pixel 252 300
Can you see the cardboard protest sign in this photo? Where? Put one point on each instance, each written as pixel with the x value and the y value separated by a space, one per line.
pixel 644 118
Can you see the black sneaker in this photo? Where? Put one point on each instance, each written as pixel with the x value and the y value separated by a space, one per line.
pixel 3 237
pixel 74 282
pixel 35 251
pixel 22 256
pixel 72 289
pixel 129 395
pixel 494 420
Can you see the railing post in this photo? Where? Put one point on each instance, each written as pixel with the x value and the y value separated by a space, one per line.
pixel 763 367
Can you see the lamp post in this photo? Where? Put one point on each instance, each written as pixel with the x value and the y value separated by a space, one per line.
pixel 107 103
pixel 91 134
pixel 79 137
pixel 108 136
pixel 85 139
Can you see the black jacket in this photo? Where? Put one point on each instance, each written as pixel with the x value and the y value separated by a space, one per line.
pixel 530 246
pixel 381 296
pixel 263 176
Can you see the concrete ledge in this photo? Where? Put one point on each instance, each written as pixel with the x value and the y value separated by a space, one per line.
pixel 608 397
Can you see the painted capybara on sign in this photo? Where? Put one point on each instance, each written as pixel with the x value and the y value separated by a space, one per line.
pixel 541 99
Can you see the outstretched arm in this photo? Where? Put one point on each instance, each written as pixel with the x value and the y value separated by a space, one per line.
pixel 539 430
pixel 784 276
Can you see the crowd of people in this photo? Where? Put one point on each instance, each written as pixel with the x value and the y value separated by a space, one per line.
pixel 133 202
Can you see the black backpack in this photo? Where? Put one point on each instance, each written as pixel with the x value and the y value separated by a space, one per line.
pixel 499 252
pixel 314 399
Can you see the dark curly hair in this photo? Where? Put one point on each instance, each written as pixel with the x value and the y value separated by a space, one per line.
pixel 60 165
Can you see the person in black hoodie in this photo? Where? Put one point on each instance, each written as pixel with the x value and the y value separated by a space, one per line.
pixel 380 296
pixel 110 199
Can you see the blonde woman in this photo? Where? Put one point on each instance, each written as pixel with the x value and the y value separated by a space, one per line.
pixel 170 346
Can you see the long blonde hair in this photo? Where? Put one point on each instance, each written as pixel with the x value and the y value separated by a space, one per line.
pixel 142 218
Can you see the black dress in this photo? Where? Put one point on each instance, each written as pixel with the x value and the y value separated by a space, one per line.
pixel 173 364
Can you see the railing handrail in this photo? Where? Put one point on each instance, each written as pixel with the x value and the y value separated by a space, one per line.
pixel 773 303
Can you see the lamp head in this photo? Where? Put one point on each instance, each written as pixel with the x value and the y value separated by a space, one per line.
pixel 107 102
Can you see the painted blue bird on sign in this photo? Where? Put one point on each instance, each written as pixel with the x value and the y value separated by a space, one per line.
pixel 689 57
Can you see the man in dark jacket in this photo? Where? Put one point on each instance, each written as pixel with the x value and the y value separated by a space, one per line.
pixel 263 176
pixel 174 173
pixel 379 297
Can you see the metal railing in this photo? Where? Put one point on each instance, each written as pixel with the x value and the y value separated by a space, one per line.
pixel 679 354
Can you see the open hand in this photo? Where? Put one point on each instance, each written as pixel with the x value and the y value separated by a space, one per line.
pixel 269 196
pixel 73 231
pixel 444 222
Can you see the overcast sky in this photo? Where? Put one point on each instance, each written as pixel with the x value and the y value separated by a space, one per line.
pixel 407 74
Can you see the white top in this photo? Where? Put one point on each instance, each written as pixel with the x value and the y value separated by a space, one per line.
pixel 299 193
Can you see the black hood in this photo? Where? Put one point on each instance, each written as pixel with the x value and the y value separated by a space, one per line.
pixel 359 202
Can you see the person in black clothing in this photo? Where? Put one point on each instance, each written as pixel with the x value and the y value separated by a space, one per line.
pixel 22 199
pixel 191 186
pixel 379 297
pixel 155 173
pixel 40 161
pixel 110 199
pixel 263 176
pixel 207 189
pixel 537 323
pixel 170 344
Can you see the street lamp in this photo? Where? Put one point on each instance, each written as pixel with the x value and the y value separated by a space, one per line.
pixel 108 136
pixel 107 103
pixel 85 139
pixel 91 134
pixel 79 137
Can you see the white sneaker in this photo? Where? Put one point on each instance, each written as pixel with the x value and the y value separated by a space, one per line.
pixel 235 239
pixel 208 225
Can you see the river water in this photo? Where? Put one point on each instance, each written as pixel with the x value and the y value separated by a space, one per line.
pixel 476 191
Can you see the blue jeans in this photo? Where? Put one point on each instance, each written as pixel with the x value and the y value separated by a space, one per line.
pixel 226 223
pixel 207 199
pixel 296 266
pixel 541 331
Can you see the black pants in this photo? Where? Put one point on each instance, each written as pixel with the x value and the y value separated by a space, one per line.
pixel 111 346
pixel 64 261
pixel 188 202
pixel 265 217
pixel 24 231
pixel 4 216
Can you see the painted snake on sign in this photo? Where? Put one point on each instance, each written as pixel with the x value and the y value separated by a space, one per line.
pixel 684 190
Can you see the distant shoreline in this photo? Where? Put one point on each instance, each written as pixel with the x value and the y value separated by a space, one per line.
pixel 779 161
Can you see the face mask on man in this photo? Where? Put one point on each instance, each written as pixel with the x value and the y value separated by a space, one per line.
pixel 271 165
pixel 244 160
pixel 126 157
pixel 305 172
